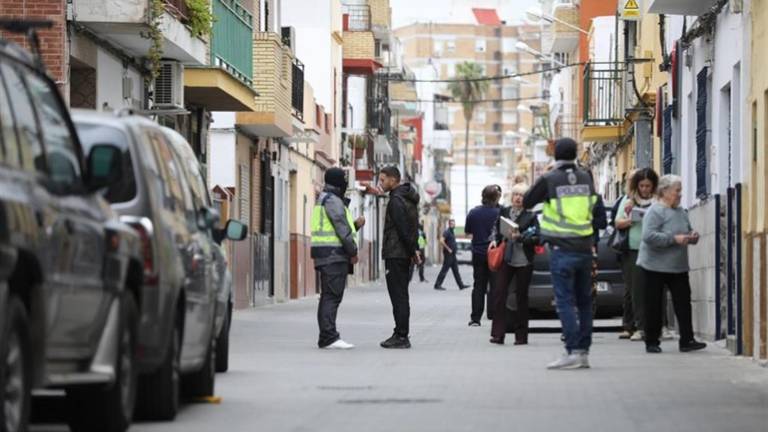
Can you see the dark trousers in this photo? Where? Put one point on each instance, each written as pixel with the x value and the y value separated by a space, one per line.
pixel 680 288
pixel 421 268
pixel 483 281
pixel 572 283
pixel 397 271
pixel 333 280
pixel 449 263
pixel 633 305
pixel 522 277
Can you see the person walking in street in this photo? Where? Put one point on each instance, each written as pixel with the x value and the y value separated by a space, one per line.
pixel 448 241
pixel 479 225
pixel 422 249
pixel 334 249
pixel 629 216
pixel 517 267
pixel 568 194
pixel 400 250
pixel 663 257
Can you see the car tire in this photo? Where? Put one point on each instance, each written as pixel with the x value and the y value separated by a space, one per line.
pixel 202 383
pixel 15 371
pixel 110 409
pixel 159 391
pixel 222 343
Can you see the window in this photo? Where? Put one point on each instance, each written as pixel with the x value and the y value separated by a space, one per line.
pixel 61 152
pixel 30 145
pixel 450 46
pixel 510 92
pixel 480 116
pixel 9 148
pixel 168 173
pixel 508 141
pixel 480 141
pixel 92 134
pixel 509 117
pixel 480 45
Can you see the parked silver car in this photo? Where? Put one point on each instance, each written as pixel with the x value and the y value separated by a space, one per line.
pixel 168 207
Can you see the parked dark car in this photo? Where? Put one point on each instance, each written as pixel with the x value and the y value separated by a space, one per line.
pixel 170 210
pixel 70 272
pixel 610 281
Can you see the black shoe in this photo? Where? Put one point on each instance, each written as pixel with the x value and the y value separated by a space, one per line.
pixel 396 342
pixel 439 288
pixel 424 281
pixel 463 287
pixel 497 341
pixel 474 323
pixel 692 346
pixel 653 349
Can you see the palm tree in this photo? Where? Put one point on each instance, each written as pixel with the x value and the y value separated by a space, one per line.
pixel 468 89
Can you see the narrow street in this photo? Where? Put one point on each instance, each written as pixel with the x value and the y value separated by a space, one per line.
pixel 454 380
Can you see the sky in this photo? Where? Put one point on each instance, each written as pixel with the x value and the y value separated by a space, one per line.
pixel 406 12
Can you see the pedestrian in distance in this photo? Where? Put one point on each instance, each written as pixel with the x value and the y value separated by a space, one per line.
pixel 450 262
pixel 663 257
pixel 334 250
pixel 517 268
pixel 568 194
pixel 479 224
pixel 629 217
pixel 422 250
pixel 400 250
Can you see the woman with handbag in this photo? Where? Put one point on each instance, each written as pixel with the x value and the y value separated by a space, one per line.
pixel 627 239
pixel 518 246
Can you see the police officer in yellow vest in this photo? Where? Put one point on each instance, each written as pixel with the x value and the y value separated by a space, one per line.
pixel 422 248
pixel 568 194
pixel 334 250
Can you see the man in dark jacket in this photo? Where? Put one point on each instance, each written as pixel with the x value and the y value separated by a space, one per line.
pixel 480 222
pixel 334 249
pixel 448 242
pixel 400 250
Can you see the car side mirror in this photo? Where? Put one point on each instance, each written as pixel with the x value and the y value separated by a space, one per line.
pixel 105 166
pixel 236 230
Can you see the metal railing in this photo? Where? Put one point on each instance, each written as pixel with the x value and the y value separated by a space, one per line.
pixel 178 8
pixel 297 89
pixel 603 94
pixel 232 39
pixel 357 18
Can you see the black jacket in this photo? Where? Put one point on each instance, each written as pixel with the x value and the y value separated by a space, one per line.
pixel 524 221
pixel 401 224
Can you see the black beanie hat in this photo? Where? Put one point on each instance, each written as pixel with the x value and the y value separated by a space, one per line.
pixel 565 149
pixel 336 177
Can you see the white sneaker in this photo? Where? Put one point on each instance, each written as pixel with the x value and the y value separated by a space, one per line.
pixel 666 334
pixel 567 361
pixel 584 358
pixel 637 336
pixel 339 345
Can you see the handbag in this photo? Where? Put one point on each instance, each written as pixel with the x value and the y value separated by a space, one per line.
pixel 496 256
pixel 618 241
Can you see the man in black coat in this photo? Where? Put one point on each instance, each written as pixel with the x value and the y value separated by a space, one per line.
pixel 400 250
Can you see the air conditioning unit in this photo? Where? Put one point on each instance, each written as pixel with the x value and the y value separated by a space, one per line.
pixel 169 86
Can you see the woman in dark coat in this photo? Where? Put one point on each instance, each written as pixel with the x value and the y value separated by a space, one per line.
pixel 518 266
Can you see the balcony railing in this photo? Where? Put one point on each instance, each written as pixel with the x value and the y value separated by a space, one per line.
pixel 603 95
pixel 297 89
pixel 178 8
pixel 357 18
pixel 232 39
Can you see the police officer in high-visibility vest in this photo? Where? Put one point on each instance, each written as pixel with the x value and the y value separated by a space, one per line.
pixel 334 250
pixel 422 248
pixel 568 194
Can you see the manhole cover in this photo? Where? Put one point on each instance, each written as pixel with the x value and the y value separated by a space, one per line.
pixel 389 401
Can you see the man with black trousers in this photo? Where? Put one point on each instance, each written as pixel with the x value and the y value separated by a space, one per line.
pixel 480 222
pixel 448 241
pixel 400 250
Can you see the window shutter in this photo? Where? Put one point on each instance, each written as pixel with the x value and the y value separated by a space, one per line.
pixel 667 139
pixel 701 133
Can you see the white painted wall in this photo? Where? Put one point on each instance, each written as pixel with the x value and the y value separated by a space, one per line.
pixel 479 177
pixel 222 157
pixel 109 82
pixel 356 98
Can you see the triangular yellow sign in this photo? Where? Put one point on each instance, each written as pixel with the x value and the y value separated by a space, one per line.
pixel 631 4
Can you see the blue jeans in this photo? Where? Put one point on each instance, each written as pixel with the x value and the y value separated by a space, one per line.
pixel 572 281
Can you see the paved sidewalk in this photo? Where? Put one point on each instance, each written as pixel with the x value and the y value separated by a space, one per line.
pixel 454 380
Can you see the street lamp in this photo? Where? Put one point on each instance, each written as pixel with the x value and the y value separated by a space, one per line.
pixel 535 13
pixel 522 46
pixel 523 108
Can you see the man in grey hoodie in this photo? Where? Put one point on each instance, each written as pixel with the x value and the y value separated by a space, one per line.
pixel 334 250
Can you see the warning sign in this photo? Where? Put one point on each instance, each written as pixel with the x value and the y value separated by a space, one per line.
pixel 630 10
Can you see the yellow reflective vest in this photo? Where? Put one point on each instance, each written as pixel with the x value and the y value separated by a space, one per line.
pixel 568 212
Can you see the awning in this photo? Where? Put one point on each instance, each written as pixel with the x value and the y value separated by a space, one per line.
pixel 361 66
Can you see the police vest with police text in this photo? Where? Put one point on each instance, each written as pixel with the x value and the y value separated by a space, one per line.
pixel 568 212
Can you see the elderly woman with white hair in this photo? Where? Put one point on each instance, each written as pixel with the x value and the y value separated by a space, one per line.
pixel 663 256
pixel 517 267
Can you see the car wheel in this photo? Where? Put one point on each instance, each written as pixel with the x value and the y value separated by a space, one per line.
pixel 15 372
pixel 159 391
pixel 222 343
pixel 110 409
pixel 201 383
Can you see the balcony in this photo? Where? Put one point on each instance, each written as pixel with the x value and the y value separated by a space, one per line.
pixel 381 17
pixel 226 85
pixel 356 18
pixel 297 89
pixel 603 103
pixel 359 43
pixel 565 38
pixel 125 24
pixel 273 76
pixel 681 7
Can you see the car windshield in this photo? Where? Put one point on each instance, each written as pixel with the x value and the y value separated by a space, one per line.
pixel 92 134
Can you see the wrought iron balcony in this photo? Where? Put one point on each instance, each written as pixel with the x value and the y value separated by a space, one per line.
pixel 603 94
pixel 297 88
pixel 357 18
